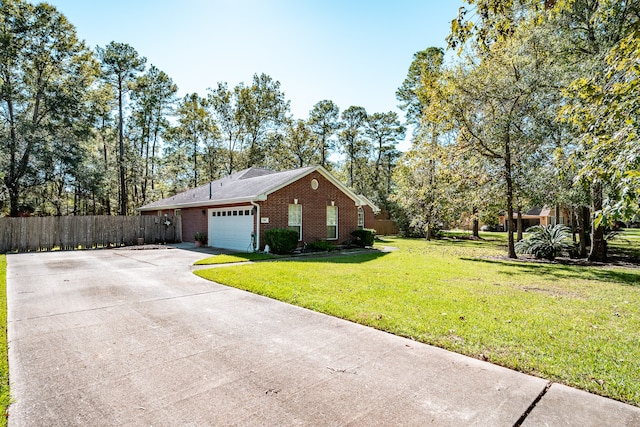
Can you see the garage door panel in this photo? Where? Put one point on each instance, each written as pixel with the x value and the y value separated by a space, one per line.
pixel 231 228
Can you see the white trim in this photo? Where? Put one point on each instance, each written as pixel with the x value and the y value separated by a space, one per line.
pixel 289 220
pixel 364 200
pixel 231 227
pixel 207 203
pixel 256 226
pixel 337 212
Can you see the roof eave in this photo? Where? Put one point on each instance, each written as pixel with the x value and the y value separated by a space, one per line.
pixel 203 203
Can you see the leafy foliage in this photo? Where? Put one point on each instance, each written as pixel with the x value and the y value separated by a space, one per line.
pixel 120 66
pixel 604 108
pixel 320 245
pixel 546 241
pixel 201 237
pixel 324 121
pixel 281 240
pixel 363 237
pixel 45 76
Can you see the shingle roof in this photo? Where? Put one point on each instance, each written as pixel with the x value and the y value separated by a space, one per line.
pixel 247 185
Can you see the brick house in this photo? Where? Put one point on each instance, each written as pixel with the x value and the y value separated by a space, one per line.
pixel 538 216
pixel 235 211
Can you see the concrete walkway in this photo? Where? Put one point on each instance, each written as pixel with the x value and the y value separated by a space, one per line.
pixel 132 337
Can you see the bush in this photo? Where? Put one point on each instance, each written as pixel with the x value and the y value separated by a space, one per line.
pixel 201 237
pixel 363 237
pixel 545 241
pixel 320 245
pixel 281 240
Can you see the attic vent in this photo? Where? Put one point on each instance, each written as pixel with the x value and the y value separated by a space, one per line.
pixel 314 184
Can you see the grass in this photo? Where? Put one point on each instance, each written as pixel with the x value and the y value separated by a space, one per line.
pixel 5 397
pixel 571 324
pixel 627 244
pixel 230 259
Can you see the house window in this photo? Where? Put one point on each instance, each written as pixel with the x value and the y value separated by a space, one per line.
pixel 332 222
pixel 295 219
pixel 360 218
pixel 177 212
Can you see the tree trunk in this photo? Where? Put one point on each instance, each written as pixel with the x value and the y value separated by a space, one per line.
pixel 11 180
pixel 476 223
pixel 520 226
pixel 508 179
pixel 598 243
pixel 14 194
pixel 583 235
pixel 123 184
pixel 323 151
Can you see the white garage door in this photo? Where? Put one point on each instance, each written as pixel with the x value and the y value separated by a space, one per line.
pixel 231 228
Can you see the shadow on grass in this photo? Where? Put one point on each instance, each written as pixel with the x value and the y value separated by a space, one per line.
pixel 469 243
pixel 340 259
pixel 566 271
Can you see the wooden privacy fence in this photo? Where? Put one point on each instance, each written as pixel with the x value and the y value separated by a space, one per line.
pixel 386 227
pixel 83 232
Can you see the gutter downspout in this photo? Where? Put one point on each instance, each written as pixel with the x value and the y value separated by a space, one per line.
pixel 257 219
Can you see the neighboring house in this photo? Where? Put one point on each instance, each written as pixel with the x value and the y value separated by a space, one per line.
pixel 538 216
pixel 236 210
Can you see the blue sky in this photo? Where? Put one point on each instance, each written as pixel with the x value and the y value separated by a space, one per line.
pixel 352 52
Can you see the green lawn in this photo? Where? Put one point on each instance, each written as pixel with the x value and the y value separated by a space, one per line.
pixel 627 243
pixel 5 397
pixel 571 324
pixel 234 258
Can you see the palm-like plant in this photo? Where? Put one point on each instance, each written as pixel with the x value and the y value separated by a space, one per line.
pixel 545 241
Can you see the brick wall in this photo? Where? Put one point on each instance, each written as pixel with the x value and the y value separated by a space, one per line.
pixel 314 209
pixel 276 209
pixel 193 220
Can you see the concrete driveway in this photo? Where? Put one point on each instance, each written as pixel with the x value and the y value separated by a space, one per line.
pixel 132 337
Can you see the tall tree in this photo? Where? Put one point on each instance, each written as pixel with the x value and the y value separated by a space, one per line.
pixel 153 96
pixel 324 120
pixel 298 147
pixel 45 72
pixel 590 34
pixel 384 131
pixel 222 104
pixel 425 64
pixel 604 109
pixel 262 109
pixel 354 145
pixel 196 136
pixel 492 106
pixel 101 103
pixel 120 65
pixel 585 31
